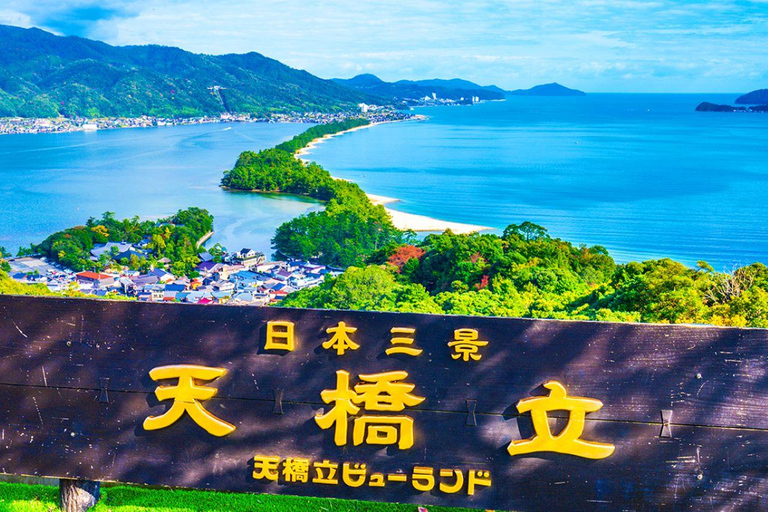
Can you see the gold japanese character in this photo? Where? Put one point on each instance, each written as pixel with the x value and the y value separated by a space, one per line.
pixel 569 440
pixel 376 392
pixel 423 478
pixel 265 467
pixel 466 345
pixel 477 478
pixel 325 473
pixel 280 336
pixel 186 397
pixel 458 482
pixel 353 474
pixel 296 469
pixel 340 341
pixel 402 344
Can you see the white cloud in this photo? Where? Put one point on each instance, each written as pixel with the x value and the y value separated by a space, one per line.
pixel 9 17
pixel 591 44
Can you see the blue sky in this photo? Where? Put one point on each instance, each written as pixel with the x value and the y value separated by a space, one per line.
pixel 595 45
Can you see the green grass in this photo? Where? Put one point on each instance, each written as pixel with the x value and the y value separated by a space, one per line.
pixel 42 498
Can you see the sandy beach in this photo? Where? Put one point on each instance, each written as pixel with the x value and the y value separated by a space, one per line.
pixel 401 220
pixel 306 149
pixel 422 223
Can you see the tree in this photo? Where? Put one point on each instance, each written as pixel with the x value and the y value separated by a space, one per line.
pixel 4 265
pixel 372 288
pixel 528 231
pixel 403 254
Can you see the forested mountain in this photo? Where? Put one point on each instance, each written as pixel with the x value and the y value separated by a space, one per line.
pixel 44 75
pixel 407 89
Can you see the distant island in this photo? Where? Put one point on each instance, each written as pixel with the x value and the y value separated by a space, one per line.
pixel 757 101
pixel 706 106
pixel 410 91
pixel 553 89
pixel 758 97
pixel 43 75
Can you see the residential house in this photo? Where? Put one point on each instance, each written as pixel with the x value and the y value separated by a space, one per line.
pixel 248 258
pixel 94 278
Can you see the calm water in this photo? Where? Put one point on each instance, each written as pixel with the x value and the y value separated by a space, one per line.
pixel 53 181
pixel 643 175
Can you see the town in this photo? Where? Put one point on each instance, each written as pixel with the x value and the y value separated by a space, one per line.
pixel 240 278
pixel 17 125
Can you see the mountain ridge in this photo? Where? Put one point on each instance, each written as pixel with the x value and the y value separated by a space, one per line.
pixel 412 89
pixel 45 75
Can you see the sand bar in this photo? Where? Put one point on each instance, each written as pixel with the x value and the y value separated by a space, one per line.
pixel 401 220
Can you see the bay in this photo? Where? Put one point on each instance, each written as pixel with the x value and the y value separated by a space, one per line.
pixel 50 182
pixel 642 174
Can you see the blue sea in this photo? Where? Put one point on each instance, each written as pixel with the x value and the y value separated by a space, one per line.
pixel 50 182
pixel 643 175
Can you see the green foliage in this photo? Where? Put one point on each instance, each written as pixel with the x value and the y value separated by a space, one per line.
pixel 347 232
pixel 369 288
pixel 174 238
pixel 526 273
pixel 4 265
pixel 10 287
pixel 301 140
pixel 278 170
pixel 343 234
pixel 274 170
pixel 42 498
pixel 46 76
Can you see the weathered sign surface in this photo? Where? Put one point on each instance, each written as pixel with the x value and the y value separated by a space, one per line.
pixel 467 411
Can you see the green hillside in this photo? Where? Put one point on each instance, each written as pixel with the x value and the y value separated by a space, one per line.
pixel 44 75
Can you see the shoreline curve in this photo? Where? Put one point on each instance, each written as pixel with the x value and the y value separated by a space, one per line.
pixel 402 220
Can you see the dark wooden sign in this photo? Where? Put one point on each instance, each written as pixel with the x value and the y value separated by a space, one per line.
pixel 466 411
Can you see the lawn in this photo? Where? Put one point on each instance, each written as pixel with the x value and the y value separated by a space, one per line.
pixel 42 498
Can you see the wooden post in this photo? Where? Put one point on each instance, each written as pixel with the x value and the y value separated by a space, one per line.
pixel 78 495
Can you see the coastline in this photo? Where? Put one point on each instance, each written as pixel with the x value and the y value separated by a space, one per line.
pixel 402 220
pixel 313 143
pixel 36 125
pixel 422 223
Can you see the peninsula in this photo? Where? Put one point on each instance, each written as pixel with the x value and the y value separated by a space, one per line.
pixel 353 225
